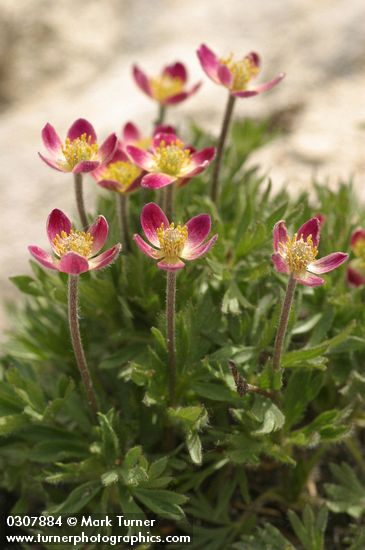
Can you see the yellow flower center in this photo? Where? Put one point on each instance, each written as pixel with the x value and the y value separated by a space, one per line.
pixel 242 71
pixel 79 149
pixel 359 250
pixel 75 241
pixel 123 172
pixel 172 240
pixel 298 253
pixel 172 159
pixel 165 86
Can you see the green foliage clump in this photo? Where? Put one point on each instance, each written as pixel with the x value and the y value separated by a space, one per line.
pixel 236 472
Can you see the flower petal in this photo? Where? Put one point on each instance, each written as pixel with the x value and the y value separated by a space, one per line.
pixel 358 234
pixel 142 80
pixel 168 138
pixel 73 264
pixel 209 62
pixel 328 263
pixel 79 127
pixel 146 248
pixel 205 156
pixel 198 229
pixel 107 149
pixel 164 129
pixel 152 217
pixel 51 139
pixel 169 266
pixel 354 277
pixel 106 258
pixel 279 263
pixel 111 185
pixel 174 99
pixel 310 280
pixel 99 232
pixel 254 58
pixel 245 93
pixel 142 158
pixel 56 223
pixel 130 133
pixel 198 251
pixel 43 257
pixel 176 70
pixel 268 85
pixel 156 181
pixel 85 166
pixel 225 76
pixel 52 163
pixel 311 227
pixel 280 234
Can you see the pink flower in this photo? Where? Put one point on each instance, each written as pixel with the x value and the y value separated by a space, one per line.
pixel 131 135
pixel 169 87
pixel 235 75
pixel 356 268
pixel 297 254
pixel 75 250
pixel 169 160
pixel 80 152
pixel 171 243
pixel 119 174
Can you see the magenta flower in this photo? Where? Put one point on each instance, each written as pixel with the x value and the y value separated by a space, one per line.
pixel 169 87
pixel 80 152
pixel 297 255
pixel 119 174
pixel 356 268
pixel 169 160
pixel 235 75
pixel 171 243
pixel 75 250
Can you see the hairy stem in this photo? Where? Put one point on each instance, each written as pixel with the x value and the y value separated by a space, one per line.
pixel 220 148
pixel 170 333
pixel 169 201
pixel 76 341
pixel 123 218
pixel 283 323
pixel 161 114
pixel 79 194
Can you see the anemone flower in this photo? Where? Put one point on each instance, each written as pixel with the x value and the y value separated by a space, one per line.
pixel 356 268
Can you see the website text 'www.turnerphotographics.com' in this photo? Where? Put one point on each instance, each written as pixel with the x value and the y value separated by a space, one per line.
pixel 89 529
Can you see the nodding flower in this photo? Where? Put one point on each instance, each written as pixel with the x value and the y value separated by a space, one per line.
pixel 173 243
pixel 356 267
pixel 75 251
pixel 297 255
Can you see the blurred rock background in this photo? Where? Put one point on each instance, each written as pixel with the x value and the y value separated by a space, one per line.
pixel 71 58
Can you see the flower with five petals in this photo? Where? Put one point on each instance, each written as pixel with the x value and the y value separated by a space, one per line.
pixel 75 251
pixel 297 255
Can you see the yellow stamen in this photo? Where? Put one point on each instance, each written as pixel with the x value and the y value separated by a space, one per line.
pixel 165 86
pixel 242 71
pixel 79 149
pixel 172 240
pixel 172 159
pixel 75 241
pixel 143 143
pixel 298 254
pixel 124 172
pixel 359 250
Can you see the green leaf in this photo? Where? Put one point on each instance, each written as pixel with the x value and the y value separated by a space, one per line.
pixel 12 423
pixel 348 495
pixel 194 446
pixel 26 284
pixel 162 502
pixel 268 414
pixel 77 499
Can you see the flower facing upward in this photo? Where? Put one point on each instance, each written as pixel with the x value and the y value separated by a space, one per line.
pixel 297 255
pixel 75 250
pixel 172 242
pixel 80 152
pixel 235 75
pixel 119 174
pixel 356 268
pixel 169 87
pixel 169 160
